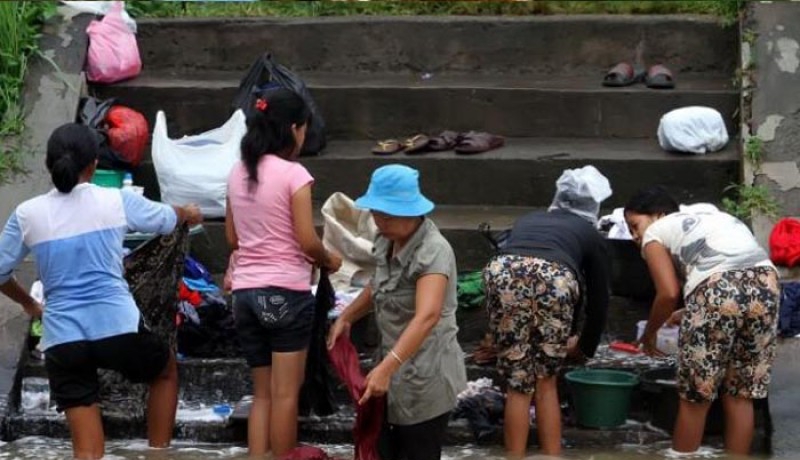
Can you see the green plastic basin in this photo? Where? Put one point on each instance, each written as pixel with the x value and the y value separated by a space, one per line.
pixel 108 178
pixel 601 397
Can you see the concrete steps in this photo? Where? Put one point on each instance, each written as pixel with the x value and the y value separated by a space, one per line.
pixel 558 45
pixel 376 106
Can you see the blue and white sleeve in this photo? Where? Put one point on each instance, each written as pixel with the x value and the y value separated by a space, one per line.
pixel 12 248
pixel 148 216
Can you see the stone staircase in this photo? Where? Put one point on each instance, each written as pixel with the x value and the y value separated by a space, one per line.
pixel 535 80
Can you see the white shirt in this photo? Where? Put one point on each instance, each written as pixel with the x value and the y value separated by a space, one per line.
pixel 704 241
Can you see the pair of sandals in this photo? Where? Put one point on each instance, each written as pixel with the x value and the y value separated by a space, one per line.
pixel 625 74
pixel 468 143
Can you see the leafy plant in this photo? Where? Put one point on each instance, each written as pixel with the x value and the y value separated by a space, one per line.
pixel 20 25
pixel 754 151
pixel 749 199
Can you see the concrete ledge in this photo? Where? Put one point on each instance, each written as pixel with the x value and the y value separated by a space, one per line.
pixel 494 45
pixel 380 106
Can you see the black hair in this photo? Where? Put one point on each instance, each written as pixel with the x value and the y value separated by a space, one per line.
pixel 269 128
pixel 652 200
pixel 70 150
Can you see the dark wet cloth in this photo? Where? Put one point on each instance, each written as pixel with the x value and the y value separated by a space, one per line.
pixel 369 416
pixel 152 271
pixel 789 323
pixel 484 412
pixel 561 236
pixel 316 395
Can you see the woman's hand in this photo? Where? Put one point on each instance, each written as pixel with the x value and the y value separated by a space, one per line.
pixel 648 346
pixel 192 214
pixel 675 318
pixel 574 352
pixel 341 326
pixel 377 382
pixel 333 262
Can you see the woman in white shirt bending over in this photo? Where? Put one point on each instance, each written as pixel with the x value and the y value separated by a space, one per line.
pixel 728 323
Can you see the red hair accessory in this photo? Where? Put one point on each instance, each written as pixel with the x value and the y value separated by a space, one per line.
pixel 261 104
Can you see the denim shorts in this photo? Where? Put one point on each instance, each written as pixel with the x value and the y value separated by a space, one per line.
pixel 272 320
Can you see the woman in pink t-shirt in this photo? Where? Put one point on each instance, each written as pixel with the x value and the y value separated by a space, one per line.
pixel 270 226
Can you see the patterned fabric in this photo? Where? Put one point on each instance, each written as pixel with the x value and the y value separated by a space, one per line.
pixel 152 272
pixel 530 302
pixel 728 335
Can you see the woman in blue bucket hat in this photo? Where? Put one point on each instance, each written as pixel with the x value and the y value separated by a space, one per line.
pixel 413 296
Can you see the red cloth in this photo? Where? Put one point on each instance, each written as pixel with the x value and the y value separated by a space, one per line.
pixel 306 453
pixel 369 416
pixel 193 297
pixel 784 242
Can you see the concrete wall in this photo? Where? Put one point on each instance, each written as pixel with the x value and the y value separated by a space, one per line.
pixel 50 99
pixel 775 115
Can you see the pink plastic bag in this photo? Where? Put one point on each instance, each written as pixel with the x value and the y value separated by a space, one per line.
pixel 113 52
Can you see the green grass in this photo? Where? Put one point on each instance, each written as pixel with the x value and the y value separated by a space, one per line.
pixel 727 9
pixel 20 25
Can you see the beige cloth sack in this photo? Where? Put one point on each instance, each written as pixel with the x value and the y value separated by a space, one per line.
pixel 350 232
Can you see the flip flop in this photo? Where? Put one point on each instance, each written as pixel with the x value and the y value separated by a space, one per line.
pixel 387 147
pixel 478 142
pixel 623 74
pixel 446 140
pixel 417 144
pixel 659 77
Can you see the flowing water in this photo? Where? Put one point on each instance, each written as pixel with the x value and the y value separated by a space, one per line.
pixel 39 448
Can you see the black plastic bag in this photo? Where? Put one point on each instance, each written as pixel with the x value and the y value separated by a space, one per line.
pixel 316 395
pixel 266 73
pixel 92 113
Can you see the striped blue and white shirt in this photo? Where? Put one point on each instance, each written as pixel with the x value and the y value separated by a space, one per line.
pixel 76 239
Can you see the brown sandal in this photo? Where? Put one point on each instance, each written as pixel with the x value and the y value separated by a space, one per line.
pixel 417 144
pixel 478 142
pixel 387 147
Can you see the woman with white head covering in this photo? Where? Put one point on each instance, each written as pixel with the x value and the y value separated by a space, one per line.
pixel 534 288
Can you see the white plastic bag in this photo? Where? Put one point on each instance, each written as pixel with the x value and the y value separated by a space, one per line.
pixel 350 232
pixel 581 191
pixel 101 8
pixel 195 169
pixel 692 130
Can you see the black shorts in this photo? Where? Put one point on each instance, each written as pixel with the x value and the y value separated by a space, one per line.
pixel 72 367
pixel 272 320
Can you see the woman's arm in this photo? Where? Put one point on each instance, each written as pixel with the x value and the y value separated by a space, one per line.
pixel 357 309
pixel 230 227
pixel 16 293
pixel 429 301
pixel 668 292
pixel 306 234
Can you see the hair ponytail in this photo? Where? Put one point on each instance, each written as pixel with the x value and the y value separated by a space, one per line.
pixel 70 150
pixel 269 128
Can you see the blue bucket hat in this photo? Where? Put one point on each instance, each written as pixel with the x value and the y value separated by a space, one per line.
pixel 394 190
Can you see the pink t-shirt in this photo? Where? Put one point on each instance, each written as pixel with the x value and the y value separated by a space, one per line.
pixel 269 254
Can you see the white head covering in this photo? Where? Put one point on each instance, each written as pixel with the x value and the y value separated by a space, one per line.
pixel 580 191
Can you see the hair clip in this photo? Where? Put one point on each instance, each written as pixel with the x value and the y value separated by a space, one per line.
pixel 261 104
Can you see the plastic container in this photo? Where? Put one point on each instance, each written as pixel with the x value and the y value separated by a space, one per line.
pixel 127 181
pixel 601 397
pixel 660 394
pixel 667 340
pixel 108 178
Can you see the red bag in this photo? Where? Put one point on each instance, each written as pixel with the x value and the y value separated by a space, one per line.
pixel 369 416
pixel 128 134
pixel 784 242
